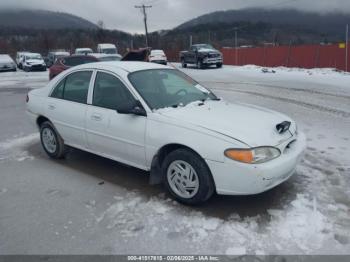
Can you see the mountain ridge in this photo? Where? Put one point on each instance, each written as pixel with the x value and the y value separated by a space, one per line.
pixel 42 19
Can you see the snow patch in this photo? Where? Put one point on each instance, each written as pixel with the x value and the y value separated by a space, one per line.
pixel 235 251
pixel 14 149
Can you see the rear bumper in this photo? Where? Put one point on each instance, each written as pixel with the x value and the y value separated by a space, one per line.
pixel 7 68
pixel 234 178
pixel 163 62
pixel 32 118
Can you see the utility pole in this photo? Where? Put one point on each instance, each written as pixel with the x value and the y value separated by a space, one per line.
pixel 143 9
pixel 347 48
pixel 191 39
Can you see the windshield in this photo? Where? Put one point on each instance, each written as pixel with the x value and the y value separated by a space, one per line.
pixel 110 51
pixel 204 46
pixel 157 52
pixel 162 88
pixel 33 57
pixel 83 51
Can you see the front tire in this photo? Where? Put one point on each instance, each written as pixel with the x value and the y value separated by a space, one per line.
pixel 219 65
pixel 187 177
pixel 51 141
pixel 200 64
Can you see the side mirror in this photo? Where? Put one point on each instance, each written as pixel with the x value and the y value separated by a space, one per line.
pixel 135 108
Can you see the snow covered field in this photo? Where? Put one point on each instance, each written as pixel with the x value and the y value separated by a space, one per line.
pixel 89 205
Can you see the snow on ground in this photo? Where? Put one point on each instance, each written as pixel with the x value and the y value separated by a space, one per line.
pixel 21 79
pixel 15 149
pixel 309 214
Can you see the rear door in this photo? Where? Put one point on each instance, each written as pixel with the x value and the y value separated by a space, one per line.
pixel 109 133
pixel 67 104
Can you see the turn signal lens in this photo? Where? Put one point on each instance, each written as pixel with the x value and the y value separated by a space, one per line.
pixel 241 155
pixel 256 155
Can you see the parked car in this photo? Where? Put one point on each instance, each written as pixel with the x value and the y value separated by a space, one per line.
pixel 158 119
pixel 201 55
pixel 54 55
pixel 83 51
pixel 107 49
pixel 158 56
pixel 19 58
pixel 7 63
pixel 65 63
pixel 107 57
pixel 137 55
pixel 33 62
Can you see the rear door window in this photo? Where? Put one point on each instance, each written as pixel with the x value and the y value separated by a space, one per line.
pixel 74 87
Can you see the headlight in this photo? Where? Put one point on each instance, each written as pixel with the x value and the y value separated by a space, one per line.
pixel 256 155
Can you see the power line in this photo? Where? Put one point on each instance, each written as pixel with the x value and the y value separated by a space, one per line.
pixel 143 8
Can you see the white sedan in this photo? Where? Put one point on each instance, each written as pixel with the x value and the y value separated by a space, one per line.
pixel 158 56
pixel 160 120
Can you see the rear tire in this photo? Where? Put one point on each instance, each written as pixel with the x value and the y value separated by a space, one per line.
pixel 183 64
pixel 51 141
pixel 187 177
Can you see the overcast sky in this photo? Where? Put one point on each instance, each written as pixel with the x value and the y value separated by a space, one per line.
pixel 165 14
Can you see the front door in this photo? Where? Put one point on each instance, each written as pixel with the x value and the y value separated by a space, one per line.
pixel 109 133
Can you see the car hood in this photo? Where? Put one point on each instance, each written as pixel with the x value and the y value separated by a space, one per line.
pixel 251 125
pixel 35 62
pixel 206 50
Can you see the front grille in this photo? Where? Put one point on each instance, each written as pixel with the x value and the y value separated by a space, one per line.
pixel 214 55
pixel 37 66
pixel 289 147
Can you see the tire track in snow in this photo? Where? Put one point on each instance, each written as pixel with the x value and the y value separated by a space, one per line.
pixel 310 91
pixel 337 112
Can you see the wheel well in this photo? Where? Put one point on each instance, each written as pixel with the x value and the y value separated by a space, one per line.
pixel 167 149
pixel 156 175
pixel 40 120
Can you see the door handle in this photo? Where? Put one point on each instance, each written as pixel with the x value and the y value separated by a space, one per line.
pixel 96 117
pixel 52 107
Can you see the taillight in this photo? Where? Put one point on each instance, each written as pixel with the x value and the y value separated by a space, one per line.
pixel 27 99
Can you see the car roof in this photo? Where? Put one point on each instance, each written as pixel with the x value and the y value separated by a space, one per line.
pixel 59 52
pixel 106 45
pixel 83 48
pixel 99 55
pixel 157 51
pixel 129 66
pixel 5 58
pixel 29 53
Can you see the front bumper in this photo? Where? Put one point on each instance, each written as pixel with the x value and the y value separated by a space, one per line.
pixel 5 68
pixel 36 67
pixel 235 178
pixel 212 61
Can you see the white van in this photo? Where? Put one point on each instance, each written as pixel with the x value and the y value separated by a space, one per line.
pixel 19 58
pixel 107 49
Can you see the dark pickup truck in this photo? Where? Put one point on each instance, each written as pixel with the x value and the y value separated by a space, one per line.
pixel 202 55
